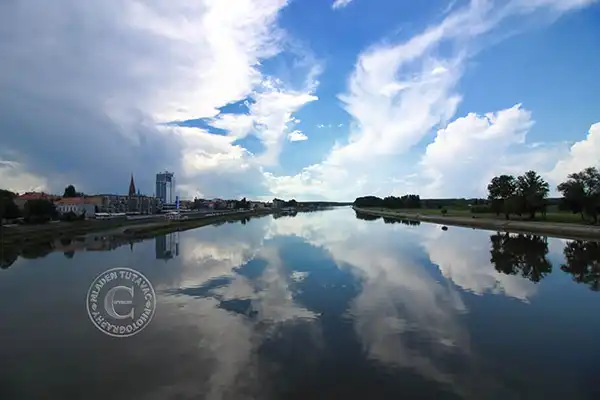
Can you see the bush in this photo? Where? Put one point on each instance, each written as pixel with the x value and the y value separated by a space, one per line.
pixel 444 211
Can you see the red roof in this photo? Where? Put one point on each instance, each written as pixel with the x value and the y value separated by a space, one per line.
pixel 37 195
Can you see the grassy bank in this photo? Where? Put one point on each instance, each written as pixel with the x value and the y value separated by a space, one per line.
pixel 555 224
pixel 53 231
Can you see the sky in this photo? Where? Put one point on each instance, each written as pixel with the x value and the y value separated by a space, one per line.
pixel 304 99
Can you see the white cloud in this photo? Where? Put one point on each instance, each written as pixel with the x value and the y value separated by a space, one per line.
pixel 14 177
pixel 297 136
pixel 583 154
pixel 472 146
pixel 270 118
pixel 337 4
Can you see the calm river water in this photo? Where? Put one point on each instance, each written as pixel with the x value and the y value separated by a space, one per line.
pixel 322 305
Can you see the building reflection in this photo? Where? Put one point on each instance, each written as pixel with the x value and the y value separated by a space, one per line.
pixel 167 246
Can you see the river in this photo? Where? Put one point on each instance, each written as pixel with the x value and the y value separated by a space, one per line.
pixel 322 305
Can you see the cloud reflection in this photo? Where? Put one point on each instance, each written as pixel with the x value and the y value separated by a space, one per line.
pixel 463 257
pixel 235 294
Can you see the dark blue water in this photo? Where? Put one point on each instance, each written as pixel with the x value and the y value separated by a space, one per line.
pixel 318 306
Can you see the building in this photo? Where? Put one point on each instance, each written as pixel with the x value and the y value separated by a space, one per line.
pixel 20 200
pixel 132 191
pixel 138 203
pixel 165 187
pixel 76 205
pixel 111 203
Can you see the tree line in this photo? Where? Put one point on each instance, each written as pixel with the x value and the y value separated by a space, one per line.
pixel 406 201
pixel 528 193
pixel 524 195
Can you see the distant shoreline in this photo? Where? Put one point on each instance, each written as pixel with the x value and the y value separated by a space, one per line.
pixel 553 229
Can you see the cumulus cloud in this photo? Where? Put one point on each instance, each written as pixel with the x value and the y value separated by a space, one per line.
pixel 473 146
pixel 337 4
pixel 582 154
pixel 297 136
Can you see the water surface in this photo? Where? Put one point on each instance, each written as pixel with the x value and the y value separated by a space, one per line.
pixel 322 305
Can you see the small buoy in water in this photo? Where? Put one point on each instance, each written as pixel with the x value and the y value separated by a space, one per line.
pixel 444 228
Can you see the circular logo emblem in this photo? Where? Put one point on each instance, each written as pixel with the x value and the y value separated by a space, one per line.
pixel 121 302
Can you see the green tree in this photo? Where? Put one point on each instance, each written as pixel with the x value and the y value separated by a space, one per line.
pixel 500 190
pixel 70 191
pixel 39 210
pixel 581 192
pixel 8 208
pixel 533 190
pixel 582 261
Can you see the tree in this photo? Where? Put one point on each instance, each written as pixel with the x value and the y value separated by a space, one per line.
pixel 581 192
pixel 582 261
pixel 39 210
pixel 533 190
pixel 8 208
pixel 70 191
pixel 500 190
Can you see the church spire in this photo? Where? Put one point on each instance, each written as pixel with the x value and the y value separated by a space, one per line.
pixel 131 187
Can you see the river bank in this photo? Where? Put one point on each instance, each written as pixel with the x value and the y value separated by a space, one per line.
pixel 561 230
pixel 130 228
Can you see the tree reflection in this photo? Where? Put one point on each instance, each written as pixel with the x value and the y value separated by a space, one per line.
pixel 521 254
pixel 582 260
pixel 8 256
pixel 366 217
pixel 37 250
pixel 388 220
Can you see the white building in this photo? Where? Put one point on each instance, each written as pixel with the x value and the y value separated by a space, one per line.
pixel 76 205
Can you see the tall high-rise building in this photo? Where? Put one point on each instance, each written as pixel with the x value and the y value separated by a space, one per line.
pixel 165 187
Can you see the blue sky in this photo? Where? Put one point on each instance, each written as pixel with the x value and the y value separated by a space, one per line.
pixel 305 99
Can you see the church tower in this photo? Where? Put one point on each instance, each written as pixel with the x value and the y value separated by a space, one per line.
pixel 132 191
